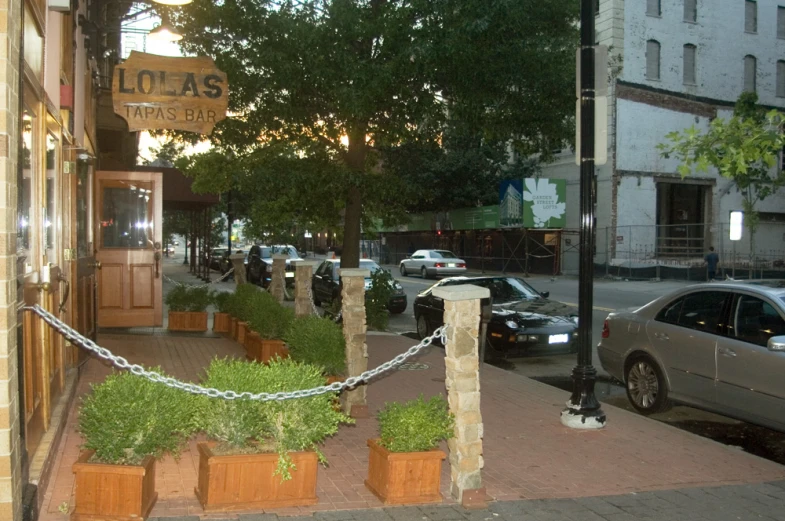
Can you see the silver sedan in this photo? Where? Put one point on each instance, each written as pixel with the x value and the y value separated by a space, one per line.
pixel 719 347
pixel 432 263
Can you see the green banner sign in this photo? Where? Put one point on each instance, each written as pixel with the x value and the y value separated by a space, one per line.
pixel 544 203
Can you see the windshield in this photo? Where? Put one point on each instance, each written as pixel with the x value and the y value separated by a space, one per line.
pixel 364 265
pixel 290 251
pixel 509 289
pixel 442 254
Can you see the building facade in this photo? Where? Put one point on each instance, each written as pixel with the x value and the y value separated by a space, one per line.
pixel 674 64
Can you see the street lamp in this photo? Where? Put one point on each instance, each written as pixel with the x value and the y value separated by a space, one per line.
pixel 583 410
pixel 165 33
pixel 173 2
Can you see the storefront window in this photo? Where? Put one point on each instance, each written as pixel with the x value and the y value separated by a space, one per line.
pixel 51 216
pixel 24 191
pixel 83 202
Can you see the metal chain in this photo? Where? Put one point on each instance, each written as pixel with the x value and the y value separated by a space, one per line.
pixel 216 281
pixel 310 300
pixel 118 361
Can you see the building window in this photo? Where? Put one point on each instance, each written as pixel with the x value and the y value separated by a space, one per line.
pixel 781 79
pixel 750 71
pixel 781 22
pixel 653 8
pixel 750 16
pixel 596 7
pixel 689 64
pixel 690 10
pixel 653 60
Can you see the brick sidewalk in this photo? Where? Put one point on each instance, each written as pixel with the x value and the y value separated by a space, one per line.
pixel 528 453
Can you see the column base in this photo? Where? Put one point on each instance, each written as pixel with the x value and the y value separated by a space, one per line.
pixel 576 418
pixel 474 499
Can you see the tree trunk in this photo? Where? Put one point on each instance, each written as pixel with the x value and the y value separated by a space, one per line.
pixel 350 256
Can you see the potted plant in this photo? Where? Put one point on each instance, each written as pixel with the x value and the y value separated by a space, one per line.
pixel 404 464
pixel 271 321
pixel 318 341
pixel 262 454
pixel 221 322
pixel 127 422
pixel 239 308
pixel 188 308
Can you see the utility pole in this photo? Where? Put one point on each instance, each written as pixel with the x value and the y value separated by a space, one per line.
pixel 583 410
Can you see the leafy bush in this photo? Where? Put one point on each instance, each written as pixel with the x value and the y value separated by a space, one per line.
pixel 239 302
pixel 128 417
pixel 415 426
pixel 377 298
pixel 317 341
pixel 220 300
pixel 268 317
pixel 248 426
pixel 188 298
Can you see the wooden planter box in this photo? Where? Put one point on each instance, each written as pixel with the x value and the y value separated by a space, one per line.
pixel 242 330
pixel 188 320
pixel 113 492
pixel 404 477
pixel 221 322
pixel 232 328
pixel 253 346
pixel 272 349
pixel 246 481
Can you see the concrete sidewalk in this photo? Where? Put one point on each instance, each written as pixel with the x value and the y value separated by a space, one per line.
pixel 535 468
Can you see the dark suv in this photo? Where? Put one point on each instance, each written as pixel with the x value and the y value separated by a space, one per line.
pixel 326 284
pixel 259 269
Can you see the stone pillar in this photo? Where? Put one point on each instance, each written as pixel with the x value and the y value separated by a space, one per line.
pixel 462 363
pixel 238 263
pixel 353 311
pixel 278 277
pixel 302 287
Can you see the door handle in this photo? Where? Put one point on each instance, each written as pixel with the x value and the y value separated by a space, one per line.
pixel 66 293
pixel 661 336
pixel 724 351
pixel 157 257
pixel 96 265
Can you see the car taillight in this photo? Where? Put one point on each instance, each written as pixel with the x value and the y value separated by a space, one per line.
pixel 606 331
pixel 461 264
pixel 440 265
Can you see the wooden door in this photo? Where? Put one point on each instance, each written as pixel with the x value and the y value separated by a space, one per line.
pixel 84 254
pixel 128 238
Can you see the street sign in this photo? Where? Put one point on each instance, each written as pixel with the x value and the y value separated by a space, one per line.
pixel 600 131
pixel 600 71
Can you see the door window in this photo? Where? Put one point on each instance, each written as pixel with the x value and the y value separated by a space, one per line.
pixel 755 321
pixel 84 202
pixel 126 215
pixel 52 196
pixel 699 311
pixel 24 192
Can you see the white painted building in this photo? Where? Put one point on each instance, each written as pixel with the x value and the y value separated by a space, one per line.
pixel 674 64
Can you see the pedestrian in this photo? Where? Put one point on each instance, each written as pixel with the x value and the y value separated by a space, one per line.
pixel 711 260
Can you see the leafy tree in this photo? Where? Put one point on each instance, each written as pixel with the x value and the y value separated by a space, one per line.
pixel 743 148
pixel 321 86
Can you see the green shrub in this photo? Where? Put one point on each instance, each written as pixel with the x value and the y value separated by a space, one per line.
pixel 188 298
pixel 317 341
pixel 128 417
pixel 415 426
pixel 376 299
pixel 239 301
pixel 246 426
pixel 220 300
pixel 268 317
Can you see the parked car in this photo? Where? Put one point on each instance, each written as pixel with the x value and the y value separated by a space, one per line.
pixel 717 346
pixel 259 268
pixel 219 260
pixel 433 263
pixel 325 284
pixel 524 321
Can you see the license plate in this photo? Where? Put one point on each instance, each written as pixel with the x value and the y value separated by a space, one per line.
pixel 559 339
pixel 450 264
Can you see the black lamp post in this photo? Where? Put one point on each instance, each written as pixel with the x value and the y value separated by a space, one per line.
pixel 583 410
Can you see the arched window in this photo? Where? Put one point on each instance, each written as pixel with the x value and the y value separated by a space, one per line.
pixel 689 75
pixel 750 73
pixel 653 60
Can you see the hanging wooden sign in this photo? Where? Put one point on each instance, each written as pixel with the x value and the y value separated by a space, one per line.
pixel 162 92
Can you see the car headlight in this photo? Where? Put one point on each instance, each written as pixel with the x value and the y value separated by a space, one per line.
pixel 511 324
pixel 269 268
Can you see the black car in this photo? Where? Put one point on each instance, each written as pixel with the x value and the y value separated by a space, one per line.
pixel 326 284
pixel 259 268
pixel 219 260
pixel 524 321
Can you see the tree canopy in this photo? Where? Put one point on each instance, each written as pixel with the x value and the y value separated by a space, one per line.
pixel 325 94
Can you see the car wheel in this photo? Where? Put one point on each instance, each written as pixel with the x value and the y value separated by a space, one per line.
pixel 403 271
pixel 424 272
pixel 646 386
pixel 423 327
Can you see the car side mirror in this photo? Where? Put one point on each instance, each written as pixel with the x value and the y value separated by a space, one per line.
pixel 545 294
pixel 776 343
